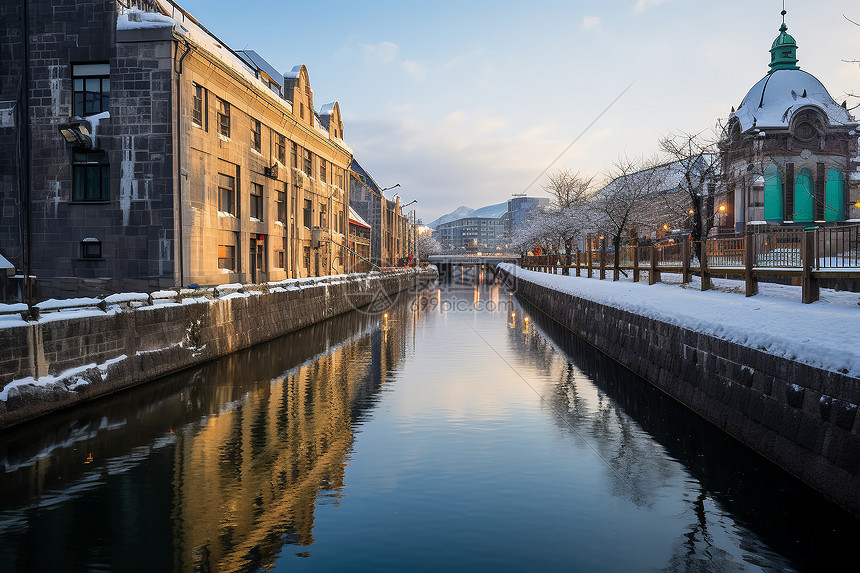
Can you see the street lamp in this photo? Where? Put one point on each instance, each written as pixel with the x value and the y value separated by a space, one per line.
pixel 392 187
pixel 414 237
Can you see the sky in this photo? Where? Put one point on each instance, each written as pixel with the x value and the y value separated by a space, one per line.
pixel 467 102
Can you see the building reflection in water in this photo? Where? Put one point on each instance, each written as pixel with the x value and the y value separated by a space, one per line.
pixel 250 444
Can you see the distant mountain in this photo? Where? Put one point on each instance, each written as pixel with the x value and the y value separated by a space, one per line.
pixel 457 213
pixel 491 211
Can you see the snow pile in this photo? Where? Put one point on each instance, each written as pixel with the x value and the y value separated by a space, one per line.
pixel 781 327
pixel 70 379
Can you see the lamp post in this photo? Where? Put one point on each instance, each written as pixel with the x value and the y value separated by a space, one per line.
pixel 412 231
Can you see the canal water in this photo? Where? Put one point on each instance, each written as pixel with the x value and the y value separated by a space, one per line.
pixel 461 431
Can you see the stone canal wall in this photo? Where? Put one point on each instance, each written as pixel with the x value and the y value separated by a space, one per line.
pixel 61 360
pixel 800 417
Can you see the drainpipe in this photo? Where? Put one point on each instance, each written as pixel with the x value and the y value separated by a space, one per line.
pixel 178 152
pixel 24 95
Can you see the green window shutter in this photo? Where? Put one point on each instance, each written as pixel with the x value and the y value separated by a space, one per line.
pixel 834 193
pixel 773 201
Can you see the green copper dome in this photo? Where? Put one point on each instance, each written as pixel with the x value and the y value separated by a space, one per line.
pixel 783 53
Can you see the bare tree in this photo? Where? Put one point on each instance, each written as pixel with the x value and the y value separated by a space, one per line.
pixel 427 245
pixel 568 214
pixel 698 165
pixel 620 206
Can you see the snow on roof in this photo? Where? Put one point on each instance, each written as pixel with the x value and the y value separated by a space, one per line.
pixel 328 108
pixel 294 73
pixel 773 100
pixel 5 264
pixel 357 219
pixel 134 19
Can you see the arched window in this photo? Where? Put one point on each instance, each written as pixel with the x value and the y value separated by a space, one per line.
pixel 834 196
pixel 804 196
pixel 773 193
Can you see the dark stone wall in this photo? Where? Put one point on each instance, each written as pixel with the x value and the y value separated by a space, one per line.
pixel 802 418
pixel 136 224
pixel 157 340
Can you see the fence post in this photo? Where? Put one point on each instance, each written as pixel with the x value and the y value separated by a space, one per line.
pixel 602 259
pixel 808 281
pixel 636 264
pixel 685 262
pixel 750 282
pixel 578 270
pixel 589 260
pixel 653 273
pixel 703 266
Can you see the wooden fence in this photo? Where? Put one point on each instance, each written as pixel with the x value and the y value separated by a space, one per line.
pixel 802 256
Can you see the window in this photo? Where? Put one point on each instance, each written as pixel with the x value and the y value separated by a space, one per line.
pixel 281 260
pixel 323 216
pixel 280 199
pixel 307 161
pixel 306 256
pixel 281 148
pixel 257 201
pixel 302 110
pixel 294 155
pixel 256 135
pixel 91 86
pixel 227 257
pixel 322 170
pixel 91 248
pixel 198 111
pixel 227 194
pixel 340 222
pixel 223 118
pixel 308 213
pixel 90 176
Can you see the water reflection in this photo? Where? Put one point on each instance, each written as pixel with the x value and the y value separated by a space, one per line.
pixel 732 497
pixel 461 431
pixel 227 460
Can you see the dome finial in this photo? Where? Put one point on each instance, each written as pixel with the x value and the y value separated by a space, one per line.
pixel 783 53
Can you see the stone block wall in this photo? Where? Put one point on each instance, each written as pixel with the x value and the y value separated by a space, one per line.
pixel 134 346
pixel 802 418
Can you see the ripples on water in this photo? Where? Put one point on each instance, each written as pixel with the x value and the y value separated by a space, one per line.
pixel 450 434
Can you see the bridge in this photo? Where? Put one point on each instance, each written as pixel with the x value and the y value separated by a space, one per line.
pixel 471 266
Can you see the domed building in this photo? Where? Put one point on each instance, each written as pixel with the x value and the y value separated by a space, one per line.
pixel 789 152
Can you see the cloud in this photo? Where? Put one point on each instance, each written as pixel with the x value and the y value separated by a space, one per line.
pixel 384 52
pixel 414 69
pixel 591 23
pixel 643 5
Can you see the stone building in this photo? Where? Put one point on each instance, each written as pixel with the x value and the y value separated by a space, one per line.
pixel 141 152
pixel 790 152
pixel 390 234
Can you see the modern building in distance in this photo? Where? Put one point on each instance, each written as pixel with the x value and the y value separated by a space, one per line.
pixel 790 152
pixel 519 211
pixel 153 155
pixel 473 234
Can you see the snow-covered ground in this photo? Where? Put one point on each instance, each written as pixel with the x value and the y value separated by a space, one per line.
pixel 825 334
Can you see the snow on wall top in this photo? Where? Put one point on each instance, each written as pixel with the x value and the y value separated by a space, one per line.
pixel 773 100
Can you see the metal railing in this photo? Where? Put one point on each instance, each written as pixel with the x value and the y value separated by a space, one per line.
pixel 838 248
